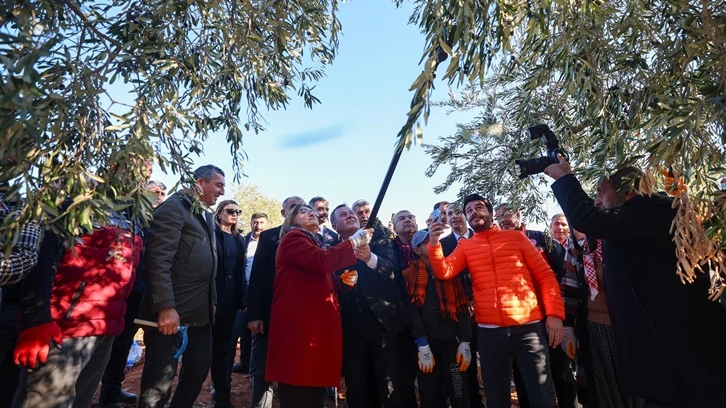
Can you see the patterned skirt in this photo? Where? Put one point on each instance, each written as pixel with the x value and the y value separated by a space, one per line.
pixel 605 387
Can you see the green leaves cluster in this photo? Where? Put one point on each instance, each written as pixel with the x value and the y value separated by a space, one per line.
pixel 190 68
pixel 621 82
pixel 250 200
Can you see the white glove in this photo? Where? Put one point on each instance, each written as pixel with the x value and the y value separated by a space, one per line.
pixel 361 237
pixel 569 343
pixel 425 359
pixel 463 355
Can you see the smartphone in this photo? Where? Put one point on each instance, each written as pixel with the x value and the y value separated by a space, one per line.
pixel 436 216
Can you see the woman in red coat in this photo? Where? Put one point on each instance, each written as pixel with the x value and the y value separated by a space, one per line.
pixel 305 345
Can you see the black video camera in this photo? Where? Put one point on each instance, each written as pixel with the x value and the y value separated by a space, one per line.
pixel 528 167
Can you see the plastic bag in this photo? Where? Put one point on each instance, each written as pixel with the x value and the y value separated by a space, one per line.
pixel 134 354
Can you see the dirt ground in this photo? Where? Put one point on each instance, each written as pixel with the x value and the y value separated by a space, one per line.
pixel 241 388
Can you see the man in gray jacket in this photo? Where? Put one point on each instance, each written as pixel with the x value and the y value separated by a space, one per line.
pixel 181 263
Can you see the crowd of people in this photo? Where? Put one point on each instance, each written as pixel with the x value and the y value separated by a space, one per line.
pixel 589 313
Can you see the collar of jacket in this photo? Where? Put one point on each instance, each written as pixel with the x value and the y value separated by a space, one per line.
pixel 493 230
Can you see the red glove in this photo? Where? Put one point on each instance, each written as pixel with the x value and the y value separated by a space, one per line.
pixel 33 345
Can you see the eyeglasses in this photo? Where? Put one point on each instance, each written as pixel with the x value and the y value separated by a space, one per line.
pixel 233 212
pixel 305 211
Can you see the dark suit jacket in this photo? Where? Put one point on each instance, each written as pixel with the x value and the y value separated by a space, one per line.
pixel 262 277
pixel 237 278
pixel 382 289
pixel 181 262
pixel 669 337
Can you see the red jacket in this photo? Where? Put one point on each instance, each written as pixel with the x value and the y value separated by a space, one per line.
pixel 305 345
pixel 93 281
pixel 508 276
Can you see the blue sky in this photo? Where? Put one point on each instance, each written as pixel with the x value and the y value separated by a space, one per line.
pixel 341 148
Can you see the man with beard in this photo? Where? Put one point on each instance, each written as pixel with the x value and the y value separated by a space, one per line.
pixel 514 290
pixel 320 206
pixel 374 312
pixel 460 230
pixel 259 306
pixel 561 358
pixel 669 336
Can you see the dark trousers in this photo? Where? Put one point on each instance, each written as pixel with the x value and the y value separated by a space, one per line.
pixel 242 335
pixel 222 359
pixel 527 345
pixel 69 377
pixel 408 367
pixel 563 377
pixel 370 361
pixel 261 388
pixel 160 367
pixel 445 381
pixel 114 374
pixel 472 373
pixel 294 396
pixel 9 372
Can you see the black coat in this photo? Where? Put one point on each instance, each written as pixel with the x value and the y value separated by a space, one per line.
pixel 237 278
pixel 262 277
pixel 382 289
pixel 670 338
pixel 181 262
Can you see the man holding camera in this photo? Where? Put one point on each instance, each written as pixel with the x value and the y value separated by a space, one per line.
pixel 668 335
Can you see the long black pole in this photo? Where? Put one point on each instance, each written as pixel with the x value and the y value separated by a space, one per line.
pixel 384 187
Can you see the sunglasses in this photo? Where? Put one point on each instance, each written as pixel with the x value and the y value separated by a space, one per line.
pixel 233 212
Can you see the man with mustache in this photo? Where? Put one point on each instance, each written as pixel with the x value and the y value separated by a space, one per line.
pixel 510 279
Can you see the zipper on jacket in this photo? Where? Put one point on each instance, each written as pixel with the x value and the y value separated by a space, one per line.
pixel 496 281
pixel 74 301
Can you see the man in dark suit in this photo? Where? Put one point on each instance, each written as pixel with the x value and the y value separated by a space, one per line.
pixel 181 264
pixel 669 336
pixel 242 334
pixel 373 313
pixel 460 230
pixel 259 305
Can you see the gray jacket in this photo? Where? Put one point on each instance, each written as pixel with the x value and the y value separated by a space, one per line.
pixel 181 262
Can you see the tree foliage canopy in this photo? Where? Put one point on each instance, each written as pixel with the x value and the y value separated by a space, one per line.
pixel 620 82
pixel 251 200
pixel 191 68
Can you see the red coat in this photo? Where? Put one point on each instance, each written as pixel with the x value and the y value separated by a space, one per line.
pixel 305 344
pixel 91 285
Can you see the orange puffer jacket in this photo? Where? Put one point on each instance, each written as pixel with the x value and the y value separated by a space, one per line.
pixel 509 276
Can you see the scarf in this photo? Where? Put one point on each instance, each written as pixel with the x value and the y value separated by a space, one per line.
pixel 452 298
pixel 405 253
pixel 589 260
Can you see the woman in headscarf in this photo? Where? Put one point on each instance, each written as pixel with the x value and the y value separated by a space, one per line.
pixel 305 352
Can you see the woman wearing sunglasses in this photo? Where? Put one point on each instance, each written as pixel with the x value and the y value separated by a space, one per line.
pixel 305 345
pixel 231 290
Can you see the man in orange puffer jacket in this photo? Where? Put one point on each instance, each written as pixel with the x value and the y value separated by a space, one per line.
pixel 514 292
